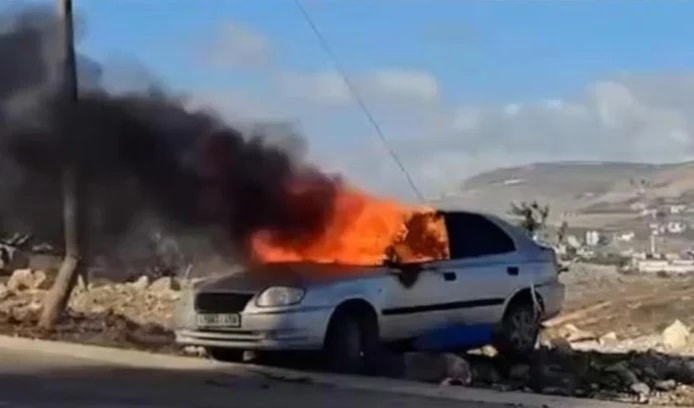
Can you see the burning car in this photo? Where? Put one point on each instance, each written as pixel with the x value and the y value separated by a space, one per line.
pixel 494 276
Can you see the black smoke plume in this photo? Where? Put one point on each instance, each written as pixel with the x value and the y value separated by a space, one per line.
pixel 139 151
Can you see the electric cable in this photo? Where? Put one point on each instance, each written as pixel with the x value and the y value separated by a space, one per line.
pixel 360 102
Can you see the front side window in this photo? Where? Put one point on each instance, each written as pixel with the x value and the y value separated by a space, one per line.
pixel 473 235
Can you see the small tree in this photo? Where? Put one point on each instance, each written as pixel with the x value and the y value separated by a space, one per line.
pixel 533 215
pixel 562 231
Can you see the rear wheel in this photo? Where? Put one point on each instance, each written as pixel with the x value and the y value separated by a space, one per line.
pixel 228 355
pixel 352 343
pixel 519 330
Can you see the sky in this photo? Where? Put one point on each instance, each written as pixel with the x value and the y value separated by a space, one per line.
pixel 457 87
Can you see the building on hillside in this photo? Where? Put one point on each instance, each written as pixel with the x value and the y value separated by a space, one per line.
pixel 626 236
pixel 649 212
pixel 637 206
pixel 677 208
pixel 676 227
pixel 592 238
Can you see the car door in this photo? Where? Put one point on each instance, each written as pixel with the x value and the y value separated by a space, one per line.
pixel 417 299
pixel 485 263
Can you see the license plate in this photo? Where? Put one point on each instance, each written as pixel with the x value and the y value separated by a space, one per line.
pixel 219 320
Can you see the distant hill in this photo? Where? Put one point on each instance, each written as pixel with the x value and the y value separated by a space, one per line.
pixel 574 187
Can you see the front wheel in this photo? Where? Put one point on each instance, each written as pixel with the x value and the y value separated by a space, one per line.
pixel 352 344
pixel 519 331
pixel 227 355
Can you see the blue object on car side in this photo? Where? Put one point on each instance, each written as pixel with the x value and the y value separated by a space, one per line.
pixel 458 337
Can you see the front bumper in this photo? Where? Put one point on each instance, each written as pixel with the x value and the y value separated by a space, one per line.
pixel 298 329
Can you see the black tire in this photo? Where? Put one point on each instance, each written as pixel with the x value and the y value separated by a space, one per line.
pixel 518 332
pixel 352 343
pixel 227 355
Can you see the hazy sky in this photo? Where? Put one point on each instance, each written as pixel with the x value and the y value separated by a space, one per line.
pixel 458 86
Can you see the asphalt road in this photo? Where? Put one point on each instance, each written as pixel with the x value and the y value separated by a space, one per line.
pixel 33 379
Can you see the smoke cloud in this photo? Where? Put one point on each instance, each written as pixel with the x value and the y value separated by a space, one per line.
pixel 140 151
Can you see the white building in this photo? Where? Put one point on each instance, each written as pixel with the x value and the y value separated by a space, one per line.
pixel 626 236
pixel 676 227
pixel 592 238
pixel 677 208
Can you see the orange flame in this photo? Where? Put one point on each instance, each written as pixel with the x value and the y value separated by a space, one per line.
pixel 362 230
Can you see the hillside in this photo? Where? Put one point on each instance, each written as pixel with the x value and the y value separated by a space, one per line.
pixel 597 192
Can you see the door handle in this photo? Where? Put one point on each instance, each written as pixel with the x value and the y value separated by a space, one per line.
pixel 449 276
pixel 512 270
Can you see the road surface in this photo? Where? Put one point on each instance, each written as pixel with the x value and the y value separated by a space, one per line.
pixel 32 379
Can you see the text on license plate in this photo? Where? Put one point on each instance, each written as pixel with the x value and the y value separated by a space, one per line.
pixel 219 320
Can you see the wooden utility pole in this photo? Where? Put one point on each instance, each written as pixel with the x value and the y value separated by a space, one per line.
pixel 57 298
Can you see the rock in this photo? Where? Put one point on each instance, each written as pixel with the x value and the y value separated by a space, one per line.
pixel 675 336
pixel 622 371
pixel 432 367
pixel 23 279
pixel 608 339
pixel 141 283
pixel 164 284
pixel 4 292
pixel 25 313
pixel 573 334
pixel 665 385
pixel 642 390
pixel 520 372
pixel 562 346
pixel 485 373
pixel 457 369
pixel 489 351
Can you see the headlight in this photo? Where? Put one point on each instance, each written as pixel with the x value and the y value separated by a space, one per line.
pixel 280 296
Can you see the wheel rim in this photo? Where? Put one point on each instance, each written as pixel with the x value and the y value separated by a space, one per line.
pixel 522 329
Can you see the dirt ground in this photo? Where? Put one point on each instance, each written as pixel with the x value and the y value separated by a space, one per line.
pixel 602 300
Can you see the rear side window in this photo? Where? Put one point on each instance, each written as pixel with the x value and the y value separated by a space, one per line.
pixel 472 235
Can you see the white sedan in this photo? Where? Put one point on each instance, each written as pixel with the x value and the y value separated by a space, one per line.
pixel 497 276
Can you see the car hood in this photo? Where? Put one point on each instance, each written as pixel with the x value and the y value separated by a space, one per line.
pixel 254 279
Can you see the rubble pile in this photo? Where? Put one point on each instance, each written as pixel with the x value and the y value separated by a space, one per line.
pixel 579 364
pixel 134 314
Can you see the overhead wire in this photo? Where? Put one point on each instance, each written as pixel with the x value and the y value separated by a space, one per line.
pixel 360 102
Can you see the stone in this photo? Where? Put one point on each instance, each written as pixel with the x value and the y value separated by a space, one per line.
pixel 562 346
pixel 23 279
pixel 434 367
pixel 457 369
pixel 608 339
pixel 665 385
pixel 4 292
pixel 141 283
pixel 164 284
pixel 642 390
pixel 622 371
pixel 489 351
pixel 675 336
pixel 520 372
pixel 573 334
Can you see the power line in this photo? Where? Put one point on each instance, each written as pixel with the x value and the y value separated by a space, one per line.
pixel 360 102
